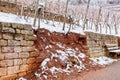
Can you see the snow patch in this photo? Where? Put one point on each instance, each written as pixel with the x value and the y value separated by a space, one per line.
pixel 103 60
pixel 82 55
pixel 43 64
pixel 55 70
pixel 57 27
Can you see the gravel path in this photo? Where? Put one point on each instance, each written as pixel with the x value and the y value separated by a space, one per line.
pixel 109 73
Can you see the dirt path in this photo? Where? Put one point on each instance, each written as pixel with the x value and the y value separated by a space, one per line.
pixel 109 73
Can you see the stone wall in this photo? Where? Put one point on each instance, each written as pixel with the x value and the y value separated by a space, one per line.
pixel 96 42
pixel 17 51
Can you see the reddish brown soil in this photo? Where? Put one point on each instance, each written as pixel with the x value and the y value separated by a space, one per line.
pixel 72 40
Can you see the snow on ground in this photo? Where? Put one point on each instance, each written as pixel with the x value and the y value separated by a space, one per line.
pixel 103 60
pixel 5 17
pixel 56 26
pixel 43 64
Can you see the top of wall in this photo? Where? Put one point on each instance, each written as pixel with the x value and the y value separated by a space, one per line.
pixel 12 28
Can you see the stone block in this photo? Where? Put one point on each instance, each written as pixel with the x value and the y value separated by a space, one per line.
pixel 11 56
pixel 17 49
pixel 13 43
pixel 26 32
pixel 6 24
pixel 8 36
pixel 23 68
pixel 19 37
pixel 7 49
pixel 3 42
pixel 30 43
pixel 14 25
pixel 5 63
pixel 22 74
pixel 13 70
pixel 30 37
pixel 23 43
pixel 18 62
pixel 2 56
pixel 24 55
pixel 26 49
pixel 9 77
pixel 18 31
pixel 8 29
pixel 28 27
pixel 20 26
pixel 31 60
pixel 0 50
pixel 3 72
pixel 0 35
pixel 24 61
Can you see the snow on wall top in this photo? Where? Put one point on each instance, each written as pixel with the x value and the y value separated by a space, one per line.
pixel 56 26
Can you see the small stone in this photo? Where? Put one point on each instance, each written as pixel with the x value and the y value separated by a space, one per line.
pixel 0 35
pixel 2 56
pixel 11 55
pixel 25 49
pixel 30 37
pixel 5 63
pixel 3 42
pixel 19 37
pixel 7 49
pixel 18 31
pixel 17 62
pixel 13 70
pixel 24 61
pixel 7 36
pixel 26 32
pixel 13 43
pixel 23 43
pixel 8 29
pixel 30 43
pixel 17 49
pixel 24 55
pixel 3 72
pixel 28 27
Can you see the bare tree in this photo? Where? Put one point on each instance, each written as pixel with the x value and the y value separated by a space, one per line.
pixel 36 12
pixel 98 19
pixel 65 14
pixel 85 19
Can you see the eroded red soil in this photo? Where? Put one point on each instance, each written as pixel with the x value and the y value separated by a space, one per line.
pixel 48 43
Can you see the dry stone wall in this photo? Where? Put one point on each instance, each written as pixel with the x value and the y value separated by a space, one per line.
pixel 96 42
pixel 17 51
